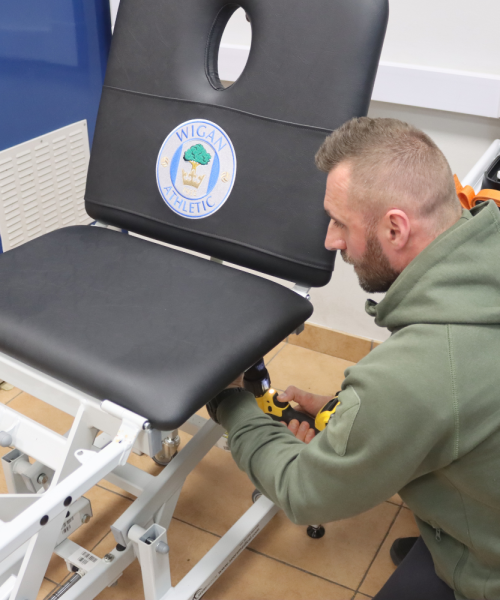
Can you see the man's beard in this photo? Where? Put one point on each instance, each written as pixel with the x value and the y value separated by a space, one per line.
pixel 374 271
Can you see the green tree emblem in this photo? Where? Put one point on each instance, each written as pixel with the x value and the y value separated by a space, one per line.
pixel 196 155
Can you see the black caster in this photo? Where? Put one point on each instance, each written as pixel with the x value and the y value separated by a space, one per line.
pixel 315 531
pixel 256 495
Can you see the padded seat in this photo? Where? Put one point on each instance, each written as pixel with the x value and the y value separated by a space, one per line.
pixel 153 329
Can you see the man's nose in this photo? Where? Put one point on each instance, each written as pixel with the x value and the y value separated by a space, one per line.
pixel 334 242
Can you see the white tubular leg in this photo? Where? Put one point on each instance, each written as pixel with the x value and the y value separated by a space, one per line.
pixel 152 549
pixel 36 561
pixel 7 587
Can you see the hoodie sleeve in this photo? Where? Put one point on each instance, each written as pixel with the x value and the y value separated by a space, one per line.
pixel 394 423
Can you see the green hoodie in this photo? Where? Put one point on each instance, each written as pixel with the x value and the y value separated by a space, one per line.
pixel 420 415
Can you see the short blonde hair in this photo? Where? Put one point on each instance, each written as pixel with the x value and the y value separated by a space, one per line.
pixel 393 165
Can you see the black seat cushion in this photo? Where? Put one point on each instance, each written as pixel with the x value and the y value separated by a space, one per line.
pixel 153 329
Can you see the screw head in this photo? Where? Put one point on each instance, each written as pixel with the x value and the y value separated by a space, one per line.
pixel 109 558
pixel 42 479
pixel 85 518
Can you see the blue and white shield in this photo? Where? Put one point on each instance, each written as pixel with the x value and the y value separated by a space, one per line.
pixel 196 169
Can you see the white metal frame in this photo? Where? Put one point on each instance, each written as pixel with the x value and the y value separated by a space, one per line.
pixel 32 525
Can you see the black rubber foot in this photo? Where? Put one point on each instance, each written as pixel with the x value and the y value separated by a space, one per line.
pixel 256 495
pixel 315 531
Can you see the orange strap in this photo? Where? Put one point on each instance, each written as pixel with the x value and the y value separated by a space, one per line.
pixel 469 199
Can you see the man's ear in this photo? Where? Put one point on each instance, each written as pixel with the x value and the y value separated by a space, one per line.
pixel 395 229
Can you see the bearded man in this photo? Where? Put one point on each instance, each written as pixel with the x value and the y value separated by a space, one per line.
pixel 420 415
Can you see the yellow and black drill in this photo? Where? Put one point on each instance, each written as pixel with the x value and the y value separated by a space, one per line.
pixel 257 381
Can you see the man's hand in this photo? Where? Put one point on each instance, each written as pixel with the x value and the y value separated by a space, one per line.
pixel 309 403
pixel 301 431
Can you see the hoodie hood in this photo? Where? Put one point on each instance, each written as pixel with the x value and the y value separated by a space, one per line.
pixel 456 279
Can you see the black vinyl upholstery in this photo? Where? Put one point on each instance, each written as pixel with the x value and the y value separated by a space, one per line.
pixel 311 67
pixel 155 330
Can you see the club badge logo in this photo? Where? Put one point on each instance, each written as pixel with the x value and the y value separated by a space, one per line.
pixel 196 168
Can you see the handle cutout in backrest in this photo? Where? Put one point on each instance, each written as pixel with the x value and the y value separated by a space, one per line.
pixel 213 45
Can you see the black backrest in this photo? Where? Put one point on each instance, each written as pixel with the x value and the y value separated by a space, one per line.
pixel 311 67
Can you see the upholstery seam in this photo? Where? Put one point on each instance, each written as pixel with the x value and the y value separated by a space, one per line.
pixel 215 237
pixel 453 392
pixel 230 108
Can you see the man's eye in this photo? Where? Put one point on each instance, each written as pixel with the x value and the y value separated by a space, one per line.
pixel 337 224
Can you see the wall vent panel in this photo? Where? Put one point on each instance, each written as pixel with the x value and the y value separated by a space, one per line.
pixel 42 184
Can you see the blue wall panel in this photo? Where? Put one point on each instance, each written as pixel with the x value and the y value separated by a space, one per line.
pixel 53 56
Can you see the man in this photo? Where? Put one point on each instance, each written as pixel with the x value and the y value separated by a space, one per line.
pixel 420 415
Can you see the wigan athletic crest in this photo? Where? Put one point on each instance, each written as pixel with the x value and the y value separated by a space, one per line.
pixel 196 168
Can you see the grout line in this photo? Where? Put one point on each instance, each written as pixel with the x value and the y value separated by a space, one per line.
pixel 20 392
pixel 196 527
pixel 300 569
pixel 51 580
pixel 113 492
pixel 394 503
pixel 57 585
pixel 378 549
pixel 101 540
pixel 280 350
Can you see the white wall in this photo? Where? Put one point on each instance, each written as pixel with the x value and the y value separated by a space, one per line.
pixel 453 34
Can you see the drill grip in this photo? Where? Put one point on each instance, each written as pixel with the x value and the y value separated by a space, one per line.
pixel 289 414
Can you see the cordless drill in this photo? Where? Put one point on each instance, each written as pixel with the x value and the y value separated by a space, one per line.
pixel 257 381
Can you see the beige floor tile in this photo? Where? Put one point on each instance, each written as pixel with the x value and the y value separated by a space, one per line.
pixel 382 568
pixel 396 499
pixel 343 555
pixel 332 342
pixel 256 577
pixel 203 412
pixel 3 485
pixel 42 413
pixel 307 370
pixel 270 355
pixel 106 508
pixel 359 596
pixel 46 588
pixel 215 494
pixel 8 396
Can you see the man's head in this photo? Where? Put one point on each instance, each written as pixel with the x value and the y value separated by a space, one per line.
pixel 389 193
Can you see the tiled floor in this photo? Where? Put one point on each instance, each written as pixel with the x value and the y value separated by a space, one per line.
pixel 350 562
